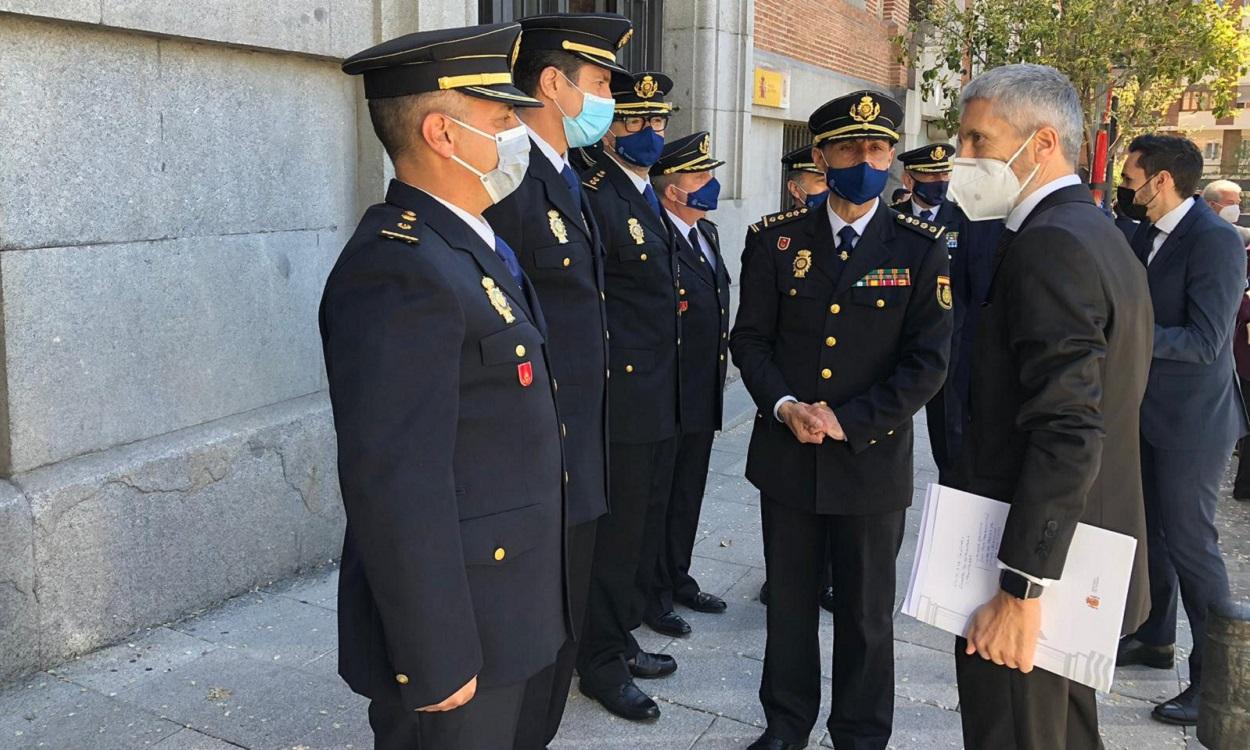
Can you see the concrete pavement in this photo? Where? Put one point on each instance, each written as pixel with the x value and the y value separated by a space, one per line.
pixel 258 672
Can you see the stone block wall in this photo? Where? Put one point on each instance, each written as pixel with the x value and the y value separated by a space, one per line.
pixel 175 182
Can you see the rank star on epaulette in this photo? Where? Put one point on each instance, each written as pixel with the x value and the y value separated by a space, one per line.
pixel 593 182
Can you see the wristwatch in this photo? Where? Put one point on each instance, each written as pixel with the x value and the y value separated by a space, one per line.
pixel 1019 586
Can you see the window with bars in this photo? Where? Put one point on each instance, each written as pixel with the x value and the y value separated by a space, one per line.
pixel 794 135
pixel 642 52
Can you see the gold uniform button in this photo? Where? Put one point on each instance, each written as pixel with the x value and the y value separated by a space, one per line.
pixel 724 335
pixel 831 341
pixel 891 432
pixel 402 679
pixel 566 477
pixel 500 554
pixel 872 442
pixel 793 292
pixel 826 373
pixel 603 296
pixel 520 350
pixel 835 308
pixel 629 368
pixel 564 431
pixel 823 403
pixel 880 303
pixel 567 262
pixel 642 257
pixel 681 291
pixel 722 358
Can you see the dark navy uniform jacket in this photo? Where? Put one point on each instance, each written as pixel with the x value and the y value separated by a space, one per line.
pixel 704 307
pixel 869 336
pixel 449 460
pixel 557 242
pixel 640 276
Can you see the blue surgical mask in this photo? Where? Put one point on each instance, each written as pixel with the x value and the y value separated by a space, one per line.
pixel 858 184
pixel 642 149
pixel 591 123
pixel 705 198
pixel 932 193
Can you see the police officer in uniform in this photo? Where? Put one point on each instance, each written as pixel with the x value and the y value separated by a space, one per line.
pixel 640 274
pixel 808 190
pixel 842 335
pixel 970 246
pixel 566 61
pixel 688 190
pixel 451 594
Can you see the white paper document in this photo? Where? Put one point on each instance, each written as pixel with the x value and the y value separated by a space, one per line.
pixel 956 570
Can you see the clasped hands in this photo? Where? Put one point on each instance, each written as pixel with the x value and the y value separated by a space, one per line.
pixel 811 423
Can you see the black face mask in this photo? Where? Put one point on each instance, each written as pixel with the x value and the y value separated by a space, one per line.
pixel 1124 201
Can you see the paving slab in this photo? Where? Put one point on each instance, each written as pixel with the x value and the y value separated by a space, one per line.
pixel 46 712
pixel 269 627
pixel 140 658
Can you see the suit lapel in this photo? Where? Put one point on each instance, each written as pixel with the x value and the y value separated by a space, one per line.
pixel 557 191
pixel 457 234
pixel 638 206
pixel 691 256
pixel 870 249
pixel 1173 242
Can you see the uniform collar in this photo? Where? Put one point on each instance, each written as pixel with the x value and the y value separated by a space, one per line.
pixel 640 182
pixel 479 225
pixel 859 225
pixel 558 160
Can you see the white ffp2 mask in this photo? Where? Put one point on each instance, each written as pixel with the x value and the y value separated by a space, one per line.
pixel 987 188
pixel 514 160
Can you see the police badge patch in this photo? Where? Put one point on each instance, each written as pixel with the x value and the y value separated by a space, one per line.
pixel 944 296
pixel 783 243
pixel 802 262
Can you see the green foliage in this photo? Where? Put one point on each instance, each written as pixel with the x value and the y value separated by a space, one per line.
pixel 1146 51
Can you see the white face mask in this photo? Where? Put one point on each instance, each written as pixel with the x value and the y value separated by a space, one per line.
pixel 1230 213
pixel 987 188
pixel 514 159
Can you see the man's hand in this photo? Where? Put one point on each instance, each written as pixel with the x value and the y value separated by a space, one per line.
pixel 1004 630
pixel 803 421
pixel 829 421
pixel 457 699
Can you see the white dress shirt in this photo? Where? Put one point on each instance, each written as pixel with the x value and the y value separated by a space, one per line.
pixel 836 223
pixel 1167 224
pixel 478 224
pixel 1025 207
pixel 558 160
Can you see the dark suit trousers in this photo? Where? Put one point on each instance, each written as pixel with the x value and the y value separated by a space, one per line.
pixel 546 694
pixel 1181 489
pixel 626 555
pixel 863 550
pixel 672 576
pixel 488 722
pixel 1005 709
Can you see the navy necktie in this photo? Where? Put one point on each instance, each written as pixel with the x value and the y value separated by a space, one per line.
pixel 649 193
pixel 509 259
pixel 694 242
pixel 927 215
pixel 1144 243
pixel 575 186
pixel 846 238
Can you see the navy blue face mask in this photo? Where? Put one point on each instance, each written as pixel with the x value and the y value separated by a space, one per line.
pixel 933 193
pixel 705 198
pixel 816 200
pixel 858 184
pixel 642 149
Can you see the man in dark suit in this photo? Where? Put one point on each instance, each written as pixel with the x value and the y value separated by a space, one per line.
pixel 1062 350
pixel 640 275
pixel 550 226
pixel 452 588
pixel 805 182
pixel 1192 414
pixel 842 335
pixel 687 189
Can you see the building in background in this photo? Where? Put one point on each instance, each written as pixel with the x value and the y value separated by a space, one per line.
pixel 175 183
pixel 1224 141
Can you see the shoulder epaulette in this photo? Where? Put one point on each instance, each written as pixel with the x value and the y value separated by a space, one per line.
pixel 930 229
pixel 779 218
pixel 402 229
pixel 593 182
pixel 895 205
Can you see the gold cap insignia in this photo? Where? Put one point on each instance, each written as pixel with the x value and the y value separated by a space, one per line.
pixel 625 38
pixel 866 110
pixel 647 87
pixel 937 154
pixel 705 145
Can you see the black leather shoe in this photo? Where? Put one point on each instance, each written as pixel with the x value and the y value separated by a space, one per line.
pixel 764 594
pixel 772 743
pixel 649 666
pixel 669 623
pixel 1132 651
pixel 705 602
pixel 826 599
pixel 624 700
pixel 1181 710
